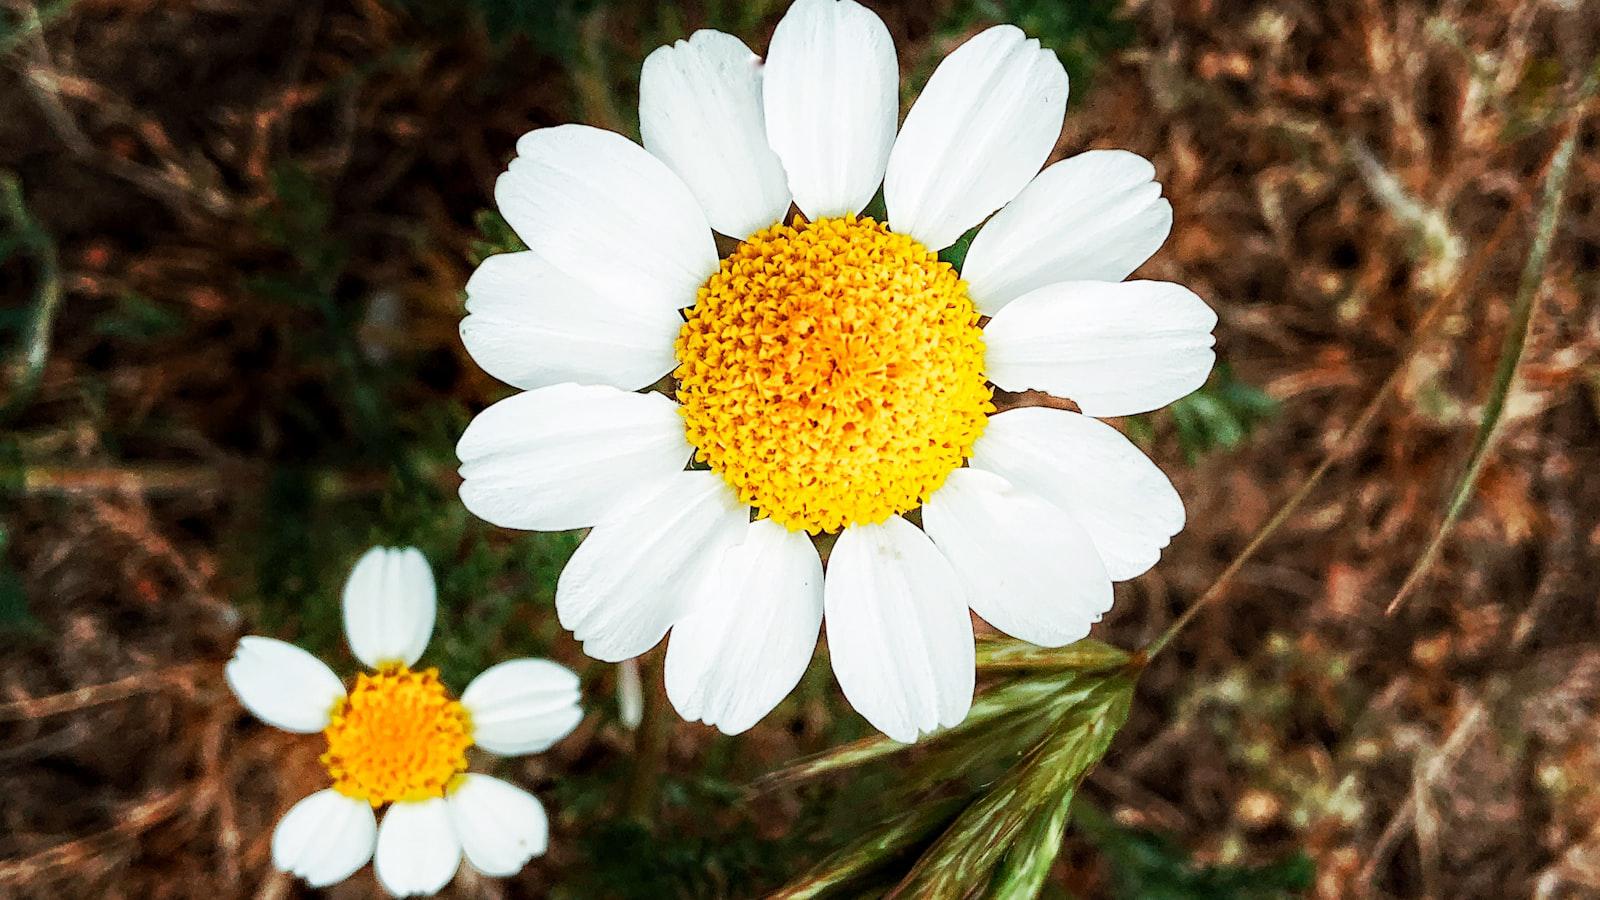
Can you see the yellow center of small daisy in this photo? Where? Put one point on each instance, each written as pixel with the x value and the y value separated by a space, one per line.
pixel 832 373
pixel 397 736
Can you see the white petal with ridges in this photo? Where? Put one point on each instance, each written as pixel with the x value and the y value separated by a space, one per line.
pixel 282 685
pixel 563 456
pixel 1086 467
pixel 637 572
pixel 748 642
pixel 418 850
pixel 324 838
pixel 522 706
pixel 898 630
pixel 598 207
pixel 389 605
pixel 986 122
pixel 831 94
pixel 501 826
pixel 1029 569
pixel 531 325
pixel 700 112
pixel 1114 348
pixel 1096 216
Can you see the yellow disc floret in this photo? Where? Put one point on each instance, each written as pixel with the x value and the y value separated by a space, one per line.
pixel 398 736
pixel 832 373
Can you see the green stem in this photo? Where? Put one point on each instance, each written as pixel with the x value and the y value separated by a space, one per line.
pixel 47 296
pixel 1348 441
pixel 1516 341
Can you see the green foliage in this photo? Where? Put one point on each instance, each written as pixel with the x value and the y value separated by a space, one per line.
pixel 1081 32
pixel 138 319
pixel 956 254
pixel 495 235
pixel 15 616
pixel 1146 866
pixel 987 802
pixel 1218 416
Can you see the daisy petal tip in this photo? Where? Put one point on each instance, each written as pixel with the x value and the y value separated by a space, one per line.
pixel 389 604
pixel 903 680
pixel 523 706
pixel 324 838
pixel 283 685
pixel 418 850
pixel 501 826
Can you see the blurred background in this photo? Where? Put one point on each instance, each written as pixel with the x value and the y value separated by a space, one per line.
pixel 233 240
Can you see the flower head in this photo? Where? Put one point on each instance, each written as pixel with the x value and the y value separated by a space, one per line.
pixel 831 375
pixel 397 739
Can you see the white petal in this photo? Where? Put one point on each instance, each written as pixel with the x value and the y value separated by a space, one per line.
pixel 748 642
pixel 389 606
pixel 604 211
pixel 501 826
pixel 1089 469
pixel 522 706
pixel 530 325
pixel 418 850
pixel 561 457
pixel 700 112
pixel 1096 216
pixel 1115 348
pixel 831 92
pixel 986 122
pixel 324 838
pixel 282 685
pixel 1029 569
pixel 898 630
pixel 638 571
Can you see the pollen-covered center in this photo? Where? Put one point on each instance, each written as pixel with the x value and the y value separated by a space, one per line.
pixel 832 373
pixel 398 736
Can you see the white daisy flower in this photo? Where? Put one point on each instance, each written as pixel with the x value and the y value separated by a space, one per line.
pixel 831 376
pixel 397 738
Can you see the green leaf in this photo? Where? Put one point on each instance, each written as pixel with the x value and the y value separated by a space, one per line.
pixel 1146 866
pixel 969 852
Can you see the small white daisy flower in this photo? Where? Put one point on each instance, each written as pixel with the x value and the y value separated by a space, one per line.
pixel 831 375
pixel 397 738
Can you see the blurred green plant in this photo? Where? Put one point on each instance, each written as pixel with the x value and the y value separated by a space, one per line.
pixel 1083 33
pixel 1218 416
pixel 23 236
pixel 988 802
pixel 1144 865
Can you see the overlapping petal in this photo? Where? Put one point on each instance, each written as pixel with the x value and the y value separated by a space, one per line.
pixel 1096 216
pixel 752 633
pixel 639 570
pixel 700 112
pixel 531 325
pixel 985 123
pixel 898 631
pixel 601 209
pixel 1028 568
pixel 1116 349
pixel 564 456
pixel 1087 468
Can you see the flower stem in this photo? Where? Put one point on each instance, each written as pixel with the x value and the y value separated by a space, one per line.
pixel 649 743
pixel 1348 441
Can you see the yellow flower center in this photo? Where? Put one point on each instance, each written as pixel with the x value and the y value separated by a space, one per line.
pixel 832 373
pixel 398 736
